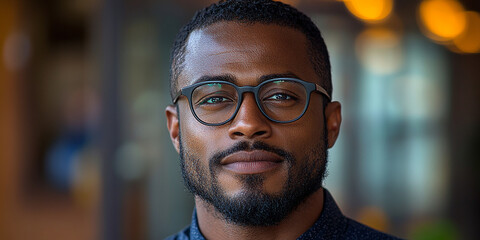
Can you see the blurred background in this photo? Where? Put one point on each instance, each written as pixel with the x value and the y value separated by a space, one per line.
pixel 85 154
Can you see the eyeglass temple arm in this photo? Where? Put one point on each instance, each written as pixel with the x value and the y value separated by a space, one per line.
pixel 322 90
pixel 175 98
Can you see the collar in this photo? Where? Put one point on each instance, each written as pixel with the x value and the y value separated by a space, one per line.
pixel 331 224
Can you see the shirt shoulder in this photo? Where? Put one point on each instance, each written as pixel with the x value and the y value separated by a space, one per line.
pixel 356 230
pixel 184 234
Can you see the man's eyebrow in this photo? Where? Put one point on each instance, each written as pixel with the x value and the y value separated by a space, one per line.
pixel 277 75
pixel 232 79
pixel 225 77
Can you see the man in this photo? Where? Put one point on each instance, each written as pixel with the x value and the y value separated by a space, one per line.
pixel 252 120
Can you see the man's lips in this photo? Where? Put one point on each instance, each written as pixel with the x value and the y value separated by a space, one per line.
pixel 251 162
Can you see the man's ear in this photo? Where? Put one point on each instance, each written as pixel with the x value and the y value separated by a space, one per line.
pixel 173 126
pixel 333 116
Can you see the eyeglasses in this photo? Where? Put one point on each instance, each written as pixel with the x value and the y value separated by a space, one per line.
pixel 281 100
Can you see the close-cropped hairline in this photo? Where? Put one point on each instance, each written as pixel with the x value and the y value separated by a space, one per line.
pixel 251 12
pixel 178 57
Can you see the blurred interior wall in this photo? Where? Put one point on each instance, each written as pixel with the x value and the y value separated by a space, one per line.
pixel 9 121
pixel 29 208
pixel 464 129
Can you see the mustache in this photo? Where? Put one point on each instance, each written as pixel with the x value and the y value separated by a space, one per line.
pixel 246 146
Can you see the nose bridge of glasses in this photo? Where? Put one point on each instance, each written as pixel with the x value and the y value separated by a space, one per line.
pixel 247 89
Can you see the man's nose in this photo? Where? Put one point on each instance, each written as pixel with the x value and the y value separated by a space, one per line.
pixel 249 122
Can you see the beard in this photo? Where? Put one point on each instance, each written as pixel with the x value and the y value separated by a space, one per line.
pixel 254 207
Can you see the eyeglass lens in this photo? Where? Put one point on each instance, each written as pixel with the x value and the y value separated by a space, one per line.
pixel 281 100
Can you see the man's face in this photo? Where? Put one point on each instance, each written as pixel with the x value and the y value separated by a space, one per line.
pixel 251 170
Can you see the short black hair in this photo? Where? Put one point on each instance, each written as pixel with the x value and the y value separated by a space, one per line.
pixel 254 11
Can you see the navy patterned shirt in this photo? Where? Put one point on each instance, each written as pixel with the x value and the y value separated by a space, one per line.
pixel 330 225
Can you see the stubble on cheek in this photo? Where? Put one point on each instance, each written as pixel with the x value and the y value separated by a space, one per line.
pixel 196 176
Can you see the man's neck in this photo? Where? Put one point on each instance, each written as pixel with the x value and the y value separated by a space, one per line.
pixel 213 226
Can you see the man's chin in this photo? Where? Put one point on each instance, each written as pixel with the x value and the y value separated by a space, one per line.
pixel 250 208
pixel 251 205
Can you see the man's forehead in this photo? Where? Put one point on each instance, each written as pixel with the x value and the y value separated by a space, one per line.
pixel 241 46
pixel 230 31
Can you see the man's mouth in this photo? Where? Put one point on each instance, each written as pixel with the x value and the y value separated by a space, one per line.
pixel 251 162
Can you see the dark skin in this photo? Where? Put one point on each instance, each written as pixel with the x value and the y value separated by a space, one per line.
pixel 248 53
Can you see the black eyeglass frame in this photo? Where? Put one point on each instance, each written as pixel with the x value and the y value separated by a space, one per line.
pixel 309 87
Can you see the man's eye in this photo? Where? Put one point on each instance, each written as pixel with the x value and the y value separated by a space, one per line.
pixel 214 100
pixel 280 97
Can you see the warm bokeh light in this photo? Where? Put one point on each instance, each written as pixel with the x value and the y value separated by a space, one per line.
pixel 379 50
pixel 370 10
pixel 442 20
pixel 374 217
pixel 469 40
